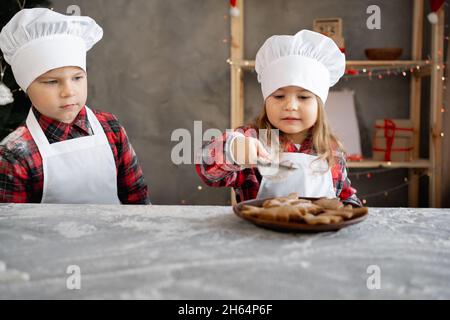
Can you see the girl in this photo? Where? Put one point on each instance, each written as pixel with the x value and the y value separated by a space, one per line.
pixel 295 73
pixel 65 152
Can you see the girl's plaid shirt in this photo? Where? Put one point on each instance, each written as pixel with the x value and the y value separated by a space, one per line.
pixel 216 170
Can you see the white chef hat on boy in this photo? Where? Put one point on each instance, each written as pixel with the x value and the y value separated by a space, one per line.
pixel 308 59
pixel 38 40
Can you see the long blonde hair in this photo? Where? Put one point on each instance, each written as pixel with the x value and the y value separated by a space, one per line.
pixel 325 143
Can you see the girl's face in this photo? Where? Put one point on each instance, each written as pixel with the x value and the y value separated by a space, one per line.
pixel 59 93
pixel 293 110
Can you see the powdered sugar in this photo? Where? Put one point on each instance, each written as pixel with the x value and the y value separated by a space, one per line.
pixel 74 230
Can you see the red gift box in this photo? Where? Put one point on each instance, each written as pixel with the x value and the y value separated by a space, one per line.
pixel 393 140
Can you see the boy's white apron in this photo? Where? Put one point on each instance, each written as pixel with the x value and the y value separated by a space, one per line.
pixel 80 170
pixel 312 179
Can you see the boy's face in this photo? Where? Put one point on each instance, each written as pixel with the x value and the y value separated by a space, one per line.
pixel 60 93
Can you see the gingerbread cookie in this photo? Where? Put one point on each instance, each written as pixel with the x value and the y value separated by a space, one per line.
pixel 280 214
pixel 332 204
pixel 322 219
pixel 295 210
pixel 292 198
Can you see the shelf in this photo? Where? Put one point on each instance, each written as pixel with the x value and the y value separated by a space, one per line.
pixel 418 164
pixel 385 63
pixel 357 64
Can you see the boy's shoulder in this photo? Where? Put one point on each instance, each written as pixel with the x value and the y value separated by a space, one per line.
pixel 109 121
pixel 18 143
pixel 104 116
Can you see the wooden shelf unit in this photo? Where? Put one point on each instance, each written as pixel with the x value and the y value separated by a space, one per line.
pixel 431 68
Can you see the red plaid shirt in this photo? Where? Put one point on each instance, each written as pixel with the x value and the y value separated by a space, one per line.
pixel 216 172
pixel 21 172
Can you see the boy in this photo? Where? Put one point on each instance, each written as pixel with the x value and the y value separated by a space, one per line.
pixel 65 152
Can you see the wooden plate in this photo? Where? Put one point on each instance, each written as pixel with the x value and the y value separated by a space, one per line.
pixel 292 226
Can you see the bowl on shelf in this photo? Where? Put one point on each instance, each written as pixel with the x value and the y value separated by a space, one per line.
pixel 383 53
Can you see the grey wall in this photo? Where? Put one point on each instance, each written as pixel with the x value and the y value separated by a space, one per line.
pixel 162 64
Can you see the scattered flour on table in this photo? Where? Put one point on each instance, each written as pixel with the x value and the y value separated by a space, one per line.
pixel 139 225
pixel 442 243
pixel 13 275
pixel 305 264
pixel 74 230
pixel 28 237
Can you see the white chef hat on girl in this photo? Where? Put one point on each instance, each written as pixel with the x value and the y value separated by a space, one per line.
pixel 38 40
pixel 308 59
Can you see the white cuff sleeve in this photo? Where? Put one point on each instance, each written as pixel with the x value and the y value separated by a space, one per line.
pixel 228 144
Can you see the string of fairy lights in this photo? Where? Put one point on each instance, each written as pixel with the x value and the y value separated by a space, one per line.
pixel 387 71
pixel 386 192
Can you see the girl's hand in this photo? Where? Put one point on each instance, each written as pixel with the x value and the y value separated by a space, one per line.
pixel 247 150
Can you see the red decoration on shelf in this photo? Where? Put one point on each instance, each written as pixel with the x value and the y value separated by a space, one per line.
pixel 354 157
pixel 234 10
pixel 435 5
pixel 352 72
pixel 389 133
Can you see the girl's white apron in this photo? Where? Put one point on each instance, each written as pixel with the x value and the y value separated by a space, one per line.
pixel 312 179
